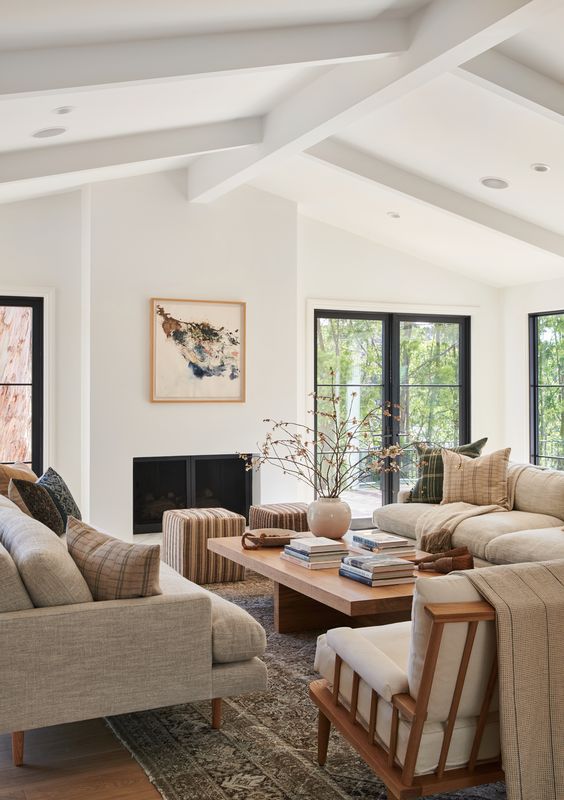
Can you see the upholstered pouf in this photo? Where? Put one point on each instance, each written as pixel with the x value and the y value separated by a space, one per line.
pixel 290 516
pixel 185 543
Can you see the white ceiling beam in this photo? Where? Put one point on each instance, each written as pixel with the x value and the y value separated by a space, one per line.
pixel 516 82
pixel 92 66
pixel 40 162
pixel 446 33
pixel 357 164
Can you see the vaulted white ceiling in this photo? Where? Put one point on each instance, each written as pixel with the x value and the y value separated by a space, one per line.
pixel 351 108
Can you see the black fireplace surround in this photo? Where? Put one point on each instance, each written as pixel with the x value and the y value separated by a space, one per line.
pixel 161 483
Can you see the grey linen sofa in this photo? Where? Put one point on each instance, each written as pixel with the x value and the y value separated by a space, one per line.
pixel 64 657
pixel 530 531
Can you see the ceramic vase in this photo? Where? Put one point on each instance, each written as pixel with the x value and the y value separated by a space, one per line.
pixel 329 516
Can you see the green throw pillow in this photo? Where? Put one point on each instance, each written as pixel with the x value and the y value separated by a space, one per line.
pixel 429 486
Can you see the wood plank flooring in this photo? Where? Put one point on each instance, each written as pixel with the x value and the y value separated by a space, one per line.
pixel 79 761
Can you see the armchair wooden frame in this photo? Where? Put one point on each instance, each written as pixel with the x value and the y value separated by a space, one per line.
pixel 401 782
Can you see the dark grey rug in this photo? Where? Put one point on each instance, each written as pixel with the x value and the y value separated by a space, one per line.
pixel 266 749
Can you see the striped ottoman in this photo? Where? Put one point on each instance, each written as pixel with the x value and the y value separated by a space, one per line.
pixel 185 543
pixel 290 516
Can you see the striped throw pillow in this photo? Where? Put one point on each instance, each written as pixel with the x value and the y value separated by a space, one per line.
pixel 429 485
pixel 113 569
pixel 481 481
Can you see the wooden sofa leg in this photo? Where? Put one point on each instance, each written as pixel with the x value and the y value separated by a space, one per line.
pixel 323 731
pixel 18 748
pixel 216 713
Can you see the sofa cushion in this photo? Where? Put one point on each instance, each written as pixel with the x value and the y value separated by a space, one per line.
pixel 112 568
pixel 476 533
pixel 50 575
pixel 9 471
pixel 429 485
pixel 528 545
pixel 236 636
pixel 480 481
pixel 540 490
pixel 35 501
pixel 13 594
pixel 60 493
pixel 450 589
pixel 400 518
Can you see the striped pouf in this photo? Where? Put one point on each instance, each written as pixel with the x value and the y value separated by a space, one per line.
pixel 290 516
pixel 185 543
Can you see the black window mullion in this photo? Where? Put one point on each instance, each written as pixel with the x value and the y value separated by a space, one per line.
pixel 535 455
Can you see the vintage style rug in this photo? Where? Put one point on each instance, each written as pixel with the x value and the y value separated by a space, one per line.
pixel 266 749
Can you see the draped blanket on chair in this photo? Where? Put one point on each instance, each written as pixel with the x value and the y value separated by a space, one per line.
pixel 529 604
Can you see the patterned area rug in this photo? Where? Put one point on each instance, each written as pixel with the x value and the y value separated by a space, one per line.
pixel 266 749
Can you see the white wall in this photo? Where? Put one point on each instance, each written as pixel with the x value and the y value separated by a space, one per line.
pixel 40 248
pixel 339 266
pixel 518 303
pixel 147 241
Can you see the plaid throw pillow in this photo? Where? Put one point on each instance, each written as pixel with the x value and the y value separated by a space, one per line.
pixel 480 481
pixel 429 486
pixel 113 570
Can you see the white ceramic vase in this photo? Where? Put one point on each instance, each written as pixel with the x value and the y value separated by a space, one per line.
pixel 329 516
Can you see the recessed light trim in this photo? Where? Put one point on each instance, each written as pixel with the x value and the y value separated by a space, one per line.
pixel 63 110
pixel 540 167
pixel 46 133
pixel 492 182
pixel 393 214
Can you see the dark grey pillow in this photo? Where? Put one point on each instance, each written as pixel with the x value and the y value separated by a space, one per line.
pixel 35 500
pixel 61 495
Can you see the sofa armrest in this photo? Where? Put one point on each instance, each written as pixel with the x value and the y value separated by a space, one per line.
pixel 73 662
pixel 374 667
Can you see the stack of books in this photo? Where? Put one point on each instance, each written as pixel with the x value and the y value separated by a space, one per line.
pixel 387 543
pixel 377 570
pixel 317 553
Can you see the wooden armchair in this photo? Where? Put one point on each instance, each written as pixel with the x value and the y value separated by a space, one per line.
pixel 417 700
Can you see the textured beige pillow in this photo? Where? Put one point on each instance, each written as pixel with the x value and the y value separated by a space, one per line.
pixel 113 569
pixel 9 471
pixel 13 594
pixel 481 481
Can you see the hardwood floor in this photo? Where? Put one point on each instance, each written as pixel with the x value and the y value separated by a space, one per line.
pixel 80 761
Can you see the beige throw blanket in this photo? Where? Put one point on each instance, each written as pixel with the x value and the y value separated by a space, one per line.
pixel 529 604
pixel 434 528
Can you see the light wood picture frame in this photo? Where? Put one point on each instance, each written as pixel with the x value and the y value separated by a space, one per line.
pixel 198 351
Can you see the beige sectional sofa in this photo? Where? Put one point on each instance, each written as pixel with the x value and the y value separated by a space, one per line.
pixel 531 531
pixel 64 657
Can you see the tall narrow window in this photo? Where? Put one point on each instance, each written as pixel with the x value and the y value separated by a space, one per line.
pixel 420 363
pixel 21 381
pixel 547 389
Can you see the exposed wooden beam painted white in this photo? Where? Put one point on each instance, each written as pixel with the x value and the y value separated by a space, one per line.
pixel 360 165
pixel 516 82
pixel 446 33
pixel 92 66
pixel 39 162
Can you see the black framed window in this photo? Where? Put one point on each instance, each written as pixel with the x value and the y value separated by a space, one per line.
pixel 546 363
pixel 21 381
pixel 419 362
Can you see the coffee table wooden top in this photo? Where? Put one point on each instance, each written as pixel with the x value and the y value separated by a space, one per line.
pixel 324 585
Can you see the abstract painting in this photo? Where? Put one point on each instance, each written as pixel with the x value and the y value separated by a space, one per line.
pixel 198 352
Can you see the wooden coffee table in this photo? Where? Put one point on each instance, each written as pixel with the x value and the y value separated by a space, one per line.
pixel 307 599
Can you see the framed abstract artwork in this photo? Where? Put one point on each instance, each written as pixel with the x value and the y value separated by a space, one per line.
pixel 198 351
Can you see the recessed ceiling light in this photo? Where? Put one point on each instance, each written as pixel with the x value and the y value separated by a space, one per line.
pixel 393 214
pixel 494 183
pixel 46 133
pixel 540 167
pixel 63 110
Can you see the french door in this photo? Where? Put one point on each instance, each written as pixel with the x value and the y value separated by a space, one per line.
pixel 418 363
pixel 21 381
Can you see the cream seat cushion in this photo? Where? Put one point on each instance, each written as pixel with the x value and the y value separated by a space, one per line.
pixel 400 518
pixel 528 545
pixel 13 594
pixel 50 575
pixel 236 636
pixel 476 533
